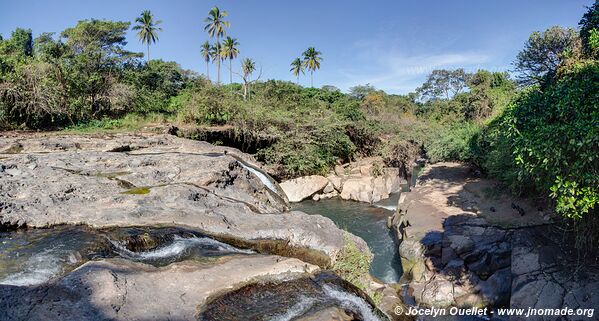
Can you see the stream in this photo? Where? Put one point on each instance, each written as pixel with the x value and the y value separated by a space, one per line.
pixel 35 256
pixel 368 221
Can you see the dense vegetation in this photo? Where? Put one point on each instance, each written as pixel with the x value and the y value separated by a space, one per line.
pixel 538 134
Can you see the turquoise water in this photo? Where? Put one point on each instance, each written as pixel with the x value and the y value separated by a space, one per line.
pixel 368 222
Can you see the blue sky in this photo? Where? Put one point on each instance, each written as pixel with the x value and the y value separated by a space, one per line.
pixel 392 45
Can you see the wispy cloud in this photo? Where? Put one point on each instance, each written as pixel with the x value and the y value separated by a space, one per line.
pixel 399 72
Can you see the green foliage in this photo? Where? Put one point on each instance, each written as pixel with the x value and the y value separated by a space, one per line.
pixel 353 266
pixel 555 137
pixel 454 143
pixel 543 53
pixel 588 23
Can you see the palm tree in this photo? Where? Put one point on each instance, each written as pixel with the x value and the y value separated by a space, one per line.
pixel 297 68
pixel 148 29
pixel 216 52
pixel 215 26
pixel 206 55
pixel 312 61
pixel 248 66
pixel 230 51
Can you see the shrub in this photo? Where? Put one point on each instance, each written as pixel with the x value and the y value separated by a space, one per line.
pixel 555 138
pixel 454 143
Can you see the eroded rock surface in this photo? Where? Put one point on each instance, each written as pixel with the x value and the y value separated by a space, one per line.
pixel 122 290
pixel 127 180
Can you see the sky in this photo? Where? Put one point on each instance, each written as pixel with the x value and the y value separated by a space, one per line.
pixel 392 45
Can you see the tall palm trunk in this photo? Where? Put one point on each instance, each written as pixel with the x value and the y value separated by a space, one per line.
pixel 312 78
pixel 218 61
pixel 230 71
pixel 148 45
pixel 208 70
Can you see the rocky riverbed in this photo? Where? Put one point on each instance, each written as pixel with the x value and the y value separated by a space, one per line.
pixel 153 182
pixel 463 244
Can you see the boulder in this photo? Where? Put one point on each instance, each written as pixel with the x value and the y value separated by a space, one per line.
pixel 299 189
pixel 336 181
pixel 358 189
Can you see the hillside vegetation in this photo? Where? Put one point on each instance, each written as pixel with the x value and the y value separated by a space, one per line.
pixel 537 133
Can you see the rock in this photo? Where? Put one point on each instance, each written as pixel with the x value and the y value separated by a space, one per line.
pixel 437 293
pixel 116 289
pixel 328 314
pixel 329 188
pixel 358 189
pixel 524 261
pixel 460 243
pixel 496 290
pixel 336 181
pixel 392 180
pixel 163 180
pixel 332 194
pixel 301 188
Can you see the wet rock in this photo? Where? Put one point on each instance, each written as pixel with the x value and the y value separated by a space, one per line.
pixel 301 188
pixel 328 314
pixel 122 290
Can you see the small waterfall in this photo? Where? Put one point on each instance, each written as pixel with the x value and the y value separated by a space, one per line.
pixel 296 310
pixel 175 249
pixel 351 302
pixel 267 181
pixel 386 207
pixel 40 268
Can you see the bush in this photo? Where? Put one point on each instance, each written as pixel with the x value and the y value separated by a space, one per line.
pixel 555 138
pixel 454 143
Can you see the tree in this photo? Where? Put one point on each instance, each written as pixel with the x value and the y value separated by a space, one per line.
pixel 589 28
pixel 442 83
pixel 216 54
pixel 215 26
pixel 206 54
pixel 360 91
pixel 230 51
pixel 147 29
pixel 312 59
pixel 297 68
pixel 543 53
pixel 93 62
pixel 248 66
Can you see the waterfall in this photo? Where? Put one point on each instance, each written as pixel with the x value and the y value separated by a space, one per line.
pixel 296 310
pixel 175 249
pixel 351 302
pixel 267 181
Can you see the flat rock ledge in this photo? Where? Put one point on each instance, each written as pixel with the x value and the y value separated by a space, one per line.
pixel 455 252
pixel 117 289
pixel 134 180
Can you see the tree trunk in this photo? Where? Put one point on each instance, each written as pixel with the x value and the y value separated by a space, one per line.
pixel 208 70
pixel 230 71
pixel 218 61
pixel 148 52
pixel 312 78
